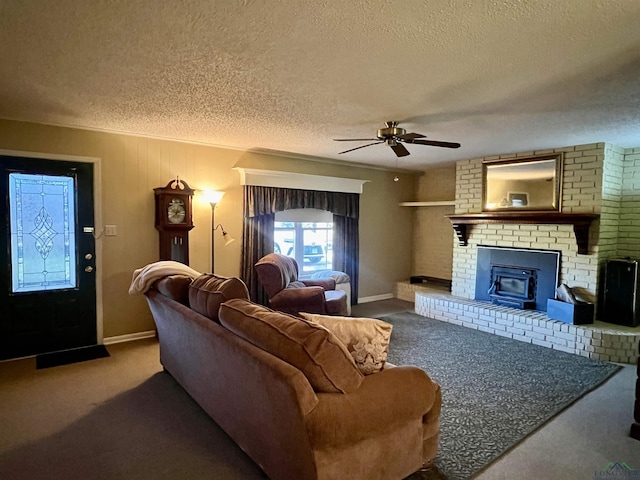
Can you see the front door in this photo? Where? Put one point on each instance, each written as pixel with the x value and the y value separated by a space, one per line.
pixel 47 288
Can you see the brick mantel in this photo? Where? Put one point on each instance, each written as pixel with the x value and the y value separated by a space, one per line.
pixel 580 221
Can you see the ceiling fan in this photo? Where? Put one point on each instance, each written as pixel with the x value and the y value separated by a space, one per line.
pixel 393 135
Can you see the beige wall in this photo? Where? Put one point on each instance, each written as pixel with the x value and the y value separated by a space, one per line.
pixel 132 166
pixel 432 233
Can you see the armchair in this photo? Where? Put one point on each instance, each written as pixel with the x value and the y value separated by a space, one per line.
pixel 278 274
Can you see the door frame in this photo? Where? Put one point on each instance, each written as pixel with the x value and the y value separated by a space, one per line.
pixel 97 217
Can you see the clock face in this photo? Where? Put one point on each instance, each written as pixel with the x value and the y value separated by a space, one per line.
pixel 176 211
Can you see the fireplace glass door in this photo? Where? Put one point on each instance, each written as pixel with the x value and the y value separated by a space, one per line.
pixel 513 286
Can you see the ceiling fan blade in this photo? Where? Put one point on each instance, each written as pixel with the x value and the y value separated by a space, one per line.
pixel 435 143
pixel 410 136
pixel 400 150
pixel 353 139
pixel 361 146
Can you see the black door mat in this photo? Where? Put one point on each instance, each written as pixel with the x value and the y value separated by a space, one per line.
pixel 65 357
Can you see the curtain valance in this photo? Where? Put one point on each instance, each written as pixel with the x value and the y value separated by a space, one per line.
pixel 269 200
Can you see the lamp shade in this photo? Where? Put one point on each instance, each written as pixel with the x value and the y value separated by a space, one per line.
pixel 212 196
pixel 227 238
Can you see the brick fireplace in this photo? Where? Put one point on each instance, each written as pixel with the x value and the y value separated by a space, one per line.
pixel 581 192
pixel 593 182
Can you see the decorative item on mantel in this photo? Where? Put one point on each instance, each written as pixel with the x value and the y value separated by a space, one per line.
pixel 568 309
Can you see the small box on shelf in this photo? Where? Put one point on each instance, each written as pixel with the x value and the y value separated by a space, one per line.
pixel 575 314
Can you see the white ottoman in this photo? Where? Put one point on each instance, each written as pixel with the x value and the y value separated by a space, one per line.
pixel 343 283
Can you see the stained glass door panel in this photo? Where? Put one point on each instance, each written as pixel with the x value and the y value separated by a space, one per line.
pixel 42 232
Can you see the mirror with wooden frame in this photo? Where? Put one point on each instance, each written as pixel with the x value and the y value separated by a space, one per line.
pixel 531 184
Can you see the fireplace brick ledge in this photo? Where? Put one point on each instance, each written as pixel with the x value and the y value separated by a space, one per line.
pixel 580 221
pixel 599 341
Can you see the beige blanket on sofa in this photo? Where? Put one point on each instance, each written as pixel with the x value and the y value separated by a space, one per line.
pixel 144 277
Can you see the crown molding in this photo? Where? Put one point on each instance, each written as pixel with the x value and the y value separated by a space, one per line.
pixel 302 181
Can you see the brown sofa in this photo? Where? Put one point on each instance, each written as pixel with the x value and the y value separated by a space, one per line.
pixel 348 425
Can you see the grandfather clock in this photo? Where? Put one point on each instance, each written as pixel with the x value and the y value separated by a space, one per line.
pixel 174 220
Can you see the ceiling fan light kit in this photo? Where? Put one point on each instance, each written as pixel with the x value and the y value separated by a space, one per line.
pixel 392 136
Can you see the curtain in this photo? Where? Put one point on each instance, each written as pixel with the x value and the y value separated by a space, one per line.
pixel 257 241
pixel 346 250
pixel 259 209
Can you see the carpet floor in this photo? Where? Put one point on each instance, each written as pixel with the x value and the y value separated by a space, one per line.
pixel 496 390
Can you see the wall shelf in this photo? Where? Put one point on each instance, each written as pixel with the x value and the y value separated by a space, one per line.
pixel 429 204
pixel 580 221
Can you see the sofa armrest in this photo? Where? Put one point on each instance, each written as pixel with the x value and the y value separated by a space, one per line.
pixel 384 401
pixel 326 283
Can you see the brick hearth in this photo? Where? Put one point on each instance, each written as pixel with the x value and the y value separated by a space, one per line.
pixel 602 341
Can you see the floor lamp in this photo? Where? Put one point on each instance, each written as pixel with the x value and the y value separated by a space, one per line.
pixel 213 198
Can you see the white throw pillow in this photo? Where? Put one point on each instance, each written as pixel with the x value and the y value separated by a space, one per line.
pixel 367 339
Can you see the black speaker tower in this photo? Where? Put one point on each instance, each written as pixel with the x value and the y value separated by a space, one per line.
pixel 621 295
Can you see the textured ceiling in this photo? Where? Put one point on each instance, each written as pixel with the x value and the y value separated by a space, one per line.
pixel 498 76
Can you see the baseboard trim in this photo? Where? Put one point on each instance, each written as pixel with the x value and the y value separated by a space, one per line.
pixel 375 298
pixel 130 337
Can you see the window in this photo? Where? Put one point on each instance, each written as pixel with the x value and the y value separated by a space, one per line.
pixel 306 235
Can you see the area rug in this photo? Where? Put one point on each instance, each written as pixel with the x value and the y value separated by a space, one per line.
pixel 495 390
pixel 65 357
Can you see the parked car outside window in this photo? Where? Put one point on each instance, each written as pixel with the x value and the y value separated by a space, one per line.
pixel 313 253
pixel 308 242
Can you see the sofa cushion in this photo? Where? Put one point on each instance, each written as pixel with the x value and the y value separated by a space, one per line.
pixel 367 339
pixel 176 287
pixel 208 291
pixel 311 348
